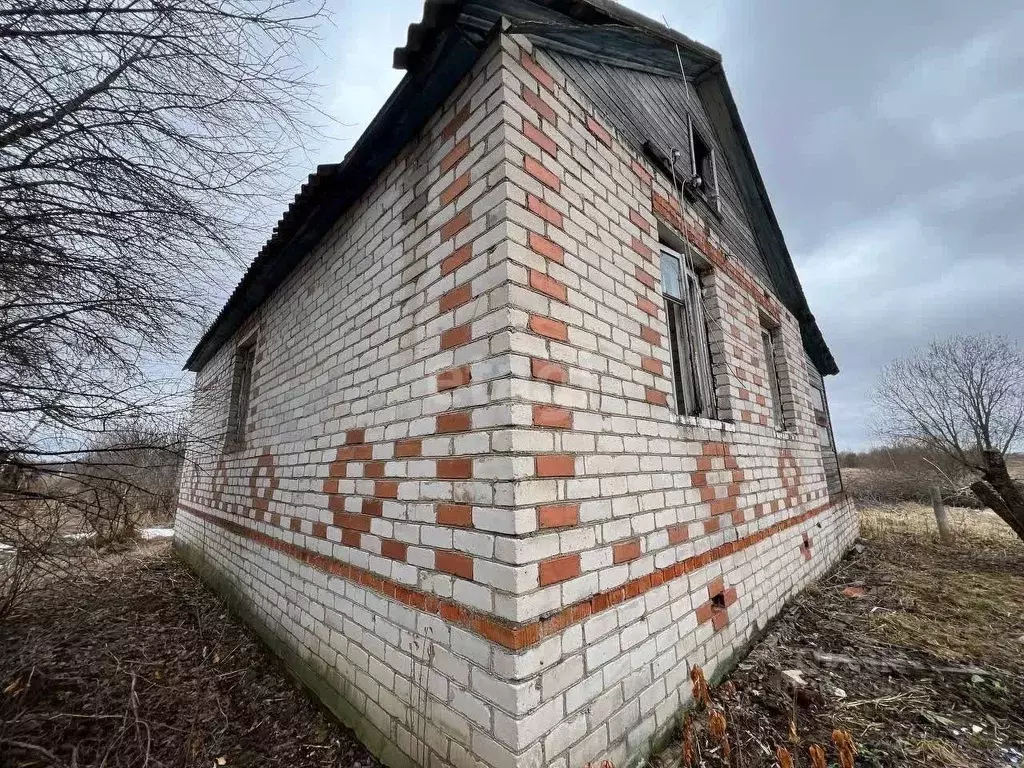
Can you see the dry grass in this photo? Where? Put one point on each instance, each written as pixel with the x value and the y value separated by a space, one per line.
pixel 928 612
pixel 136 664
pixel 973 528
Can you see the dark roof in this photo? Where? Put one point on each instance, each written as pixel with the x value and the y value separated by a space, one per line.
pixel 439 52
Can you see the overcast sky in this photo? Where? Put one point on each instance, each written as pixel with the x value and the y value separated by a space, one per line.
pixel 890 136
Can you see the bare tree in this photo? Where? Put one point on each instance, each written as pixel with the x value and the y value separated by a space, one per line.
pixel 137 141
pixel 963 397
pixel 141 146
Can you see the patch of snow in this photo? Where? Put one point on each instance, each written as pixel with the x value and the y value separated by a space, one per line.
pixel 157 533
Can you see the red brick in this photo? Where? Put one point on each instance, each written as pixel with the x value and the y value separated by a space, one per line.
pixel 716 586
pixel 349 520
pixel 645 277
pixel 373 469
pixel 455 469
pixel 453 421
pixel 551 329
pixel 373 507
pixel 643 250
pixel 555 465
pixel 705 612
pixel 539 73
pixel 338 469
pixel 548 286
pixel 599 131
pixel 541 107
pixel 541 174
pixel 406 449
pixel 654 397
pixel 456 337
pixel 354 436
pixel 459 515
pixel 456 122
pixel 330 486
pixel 712 525
pixel 639 220
pixel 395 550
pixel 546 248
pixel 647 305
pixel 651 365
pixel 552 416
pixel 351 538
pixel 722 506
pixel 542 209
pixel 454 377
pixel 458 257
pixel 559 569
pixel 355 452
pixel 626 551
pixel 320 530
pixel 645 178
pixel 456 297
pixel 454 563
pixel 545 370
pixel 650 335
pixel 385 489
pixel 720 620
pixel 453 190
pixel 455 225
pixel 457 152
pixel 538 137
pixel 678 533
pixel 558 515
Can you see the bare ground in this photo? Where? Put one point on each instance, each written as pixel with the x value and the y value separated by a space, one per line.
pixel 138 664
pixel 915 648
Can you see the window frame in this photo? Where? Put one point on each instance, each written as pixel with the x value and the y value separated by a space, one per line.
pixel 713 199
pixel 693 377
pixel 771 349
pixel 242 370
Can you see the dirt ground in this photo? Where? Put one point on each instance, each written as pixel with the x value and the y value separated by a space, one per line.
pixel 914 647
pixel 137 664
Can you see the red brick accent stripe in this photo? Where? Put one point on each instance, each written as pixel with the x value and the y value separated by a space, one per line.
pixel 456 122
pixel 539 105
pixel 541 174
pixel 512 636
pixel 546 248
pixel 457 259
pixel 539 73
pixel 458 152
pixel 541 139
pixel 599 131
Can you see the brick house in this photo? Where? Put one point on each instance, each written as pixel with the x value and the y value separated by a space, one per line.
pixel 520 412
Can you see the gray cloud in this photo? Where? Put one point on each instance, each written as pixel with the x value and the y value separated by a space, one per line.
pixel 891 140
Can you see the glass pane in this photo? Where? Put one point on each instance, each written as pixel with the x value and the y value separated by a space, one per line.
pixel 671 276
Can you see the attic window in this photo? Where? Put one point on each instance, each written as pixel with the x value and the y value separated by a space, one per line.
pixel 704 180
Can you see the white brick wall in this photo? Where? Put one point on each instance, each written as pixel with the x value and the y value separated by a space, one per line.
pixel 465 510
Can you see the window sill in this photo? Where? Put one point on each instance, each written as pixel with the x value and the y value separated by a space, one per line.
pixel 704 423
